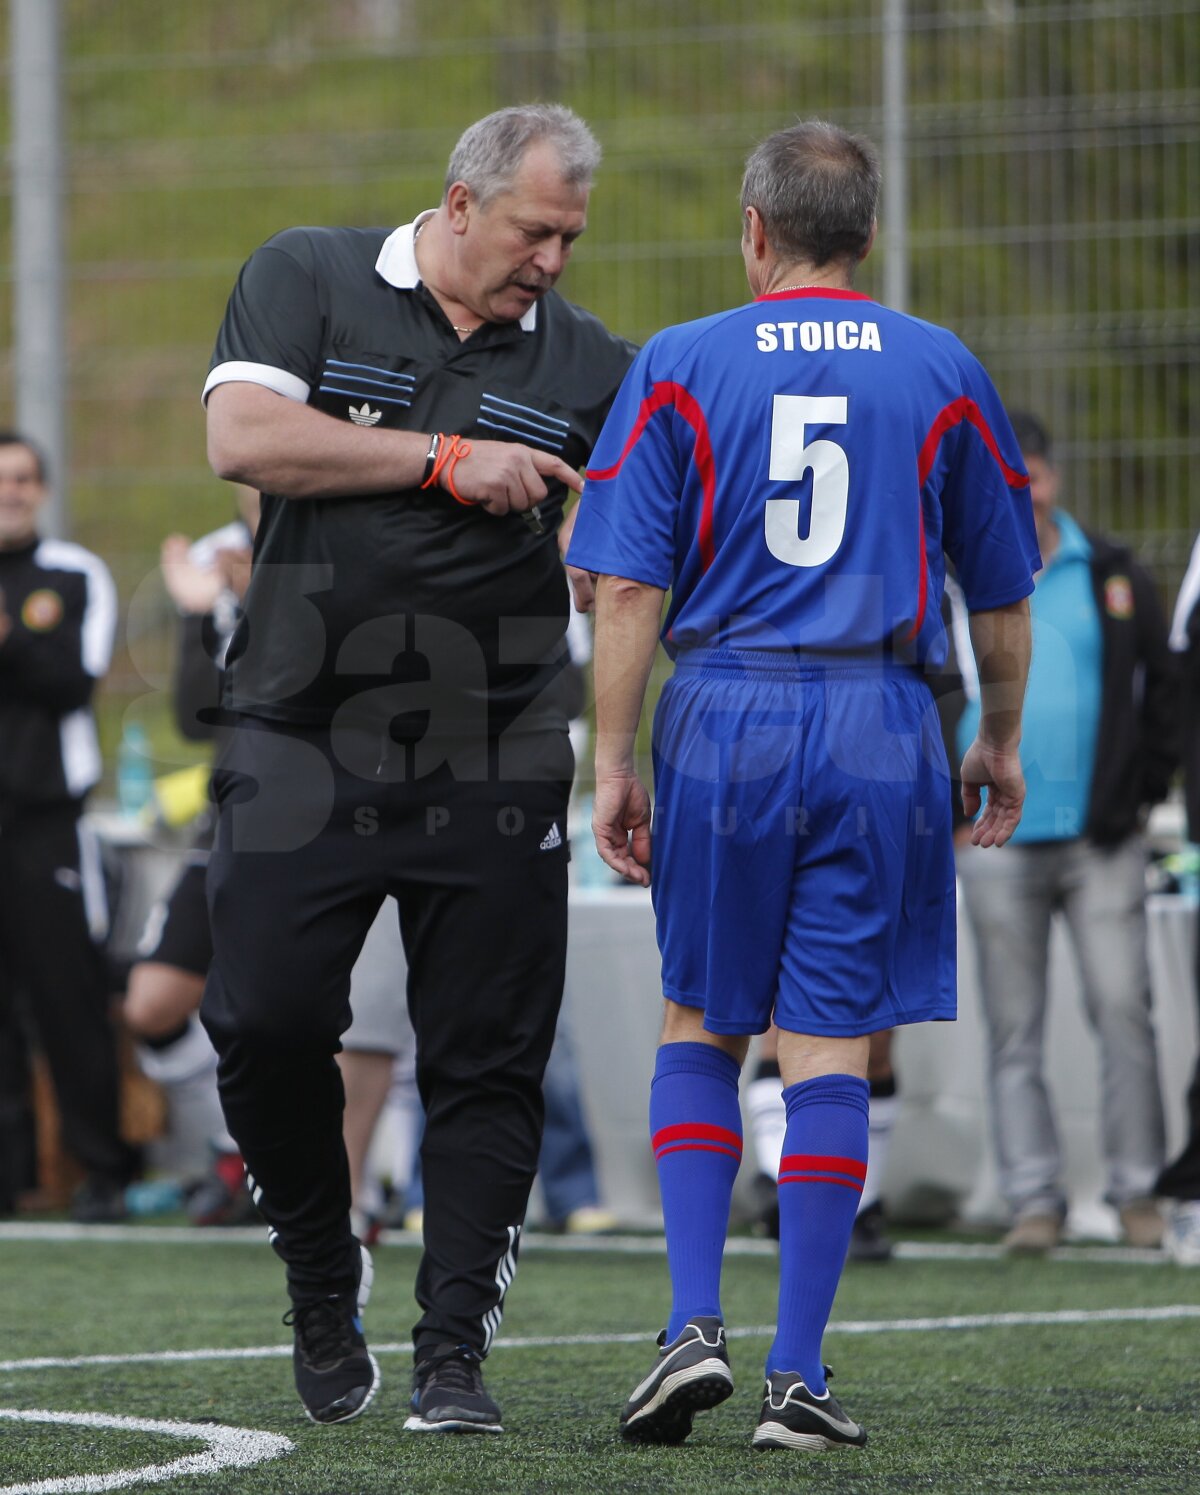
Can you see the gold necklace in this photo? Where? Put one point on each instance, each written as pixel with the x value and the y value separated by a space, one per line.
pixel 807 286
pixel 466 331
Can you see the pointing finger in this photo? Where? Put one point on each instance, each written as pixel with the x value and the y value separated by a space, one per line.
pixel 554 467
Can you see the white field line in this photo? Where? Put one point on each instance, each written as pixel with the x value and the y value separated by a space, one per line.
pixel 228 1448
pixel 242 1447
pixel 1064 1316
pixel 57 1232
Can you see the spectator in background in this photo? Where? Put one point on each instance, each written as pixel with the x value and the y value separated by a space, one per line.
pixel 206 579
pixel 1098 750
pixel 566 1164
pixel 768 1123
pixel 58 614
pixel 764 1096
pixel 567 1177
pixel 1179 1182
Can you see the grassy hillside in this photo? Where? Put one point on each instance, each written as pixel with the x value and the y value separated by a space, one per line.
pixel 1051 151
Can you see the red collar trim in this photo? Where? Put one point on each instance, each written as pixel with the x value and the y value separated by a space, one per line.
pixel 833 292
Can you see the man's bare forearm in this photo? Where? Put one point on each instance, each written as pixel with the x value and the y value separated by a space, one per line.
pixel 1001 638
pixel 627 621
pixel 278 445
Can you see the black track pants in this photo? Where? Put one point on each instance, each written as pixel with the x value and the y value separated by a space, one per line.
pixel 306 850
pixel 1180 1179
pixel 46 948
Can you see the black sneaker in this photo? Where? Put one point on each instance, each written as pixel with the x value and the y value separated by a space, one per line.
pixel 98 1201
pixel 691 1376
pixel 448 1393
pixel 336 1375
pixel 793 1417
pixel 868 1241
pixel 765 1192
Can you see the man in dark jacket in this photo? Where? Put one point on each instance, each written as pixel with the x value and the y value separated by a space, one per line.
pixel 1179 1183
pixel 58 614
pixel 1098 749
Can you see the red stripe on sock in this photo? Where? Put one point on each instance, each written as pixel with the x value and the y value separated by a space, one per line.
pixel 798 1161
pixel 695 1131
pixel 729 1152
pixel 820 1178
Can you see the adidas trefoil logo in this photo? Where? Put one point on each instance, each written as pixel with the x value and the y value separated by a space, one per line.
pixel 551 839
pixel 365 416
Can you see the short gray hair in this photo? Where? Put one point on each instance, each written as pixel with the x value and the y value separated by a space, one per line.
pixel 489 152
pixel 816 189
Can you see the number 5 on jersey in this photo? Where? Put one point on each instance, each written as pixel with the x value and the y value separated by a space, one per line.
pixel 791 458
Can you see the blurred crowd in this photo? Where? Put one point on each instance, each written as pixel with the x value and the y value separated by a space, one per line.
pixel 1110 720
pixel 67 994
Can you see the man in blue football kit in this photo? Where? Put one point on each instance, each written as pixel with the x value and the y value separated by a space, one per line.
pixel 792 471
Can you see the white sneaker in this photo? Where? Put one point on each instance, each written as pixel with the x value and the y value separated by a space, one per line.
pixel 1181 1238
pixel 590 1219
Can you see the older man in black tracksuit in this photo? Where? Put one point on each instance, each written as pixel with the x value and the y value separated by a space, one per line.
pixel 413 406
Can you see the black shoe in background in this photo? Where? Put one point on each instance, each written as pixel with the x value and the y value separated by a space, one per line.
pixel 868 1241
pixel 766 1206
pixel 99 1201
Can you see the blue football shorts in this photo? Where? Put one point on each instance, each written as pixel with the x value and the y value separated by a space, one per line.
pixel 803 866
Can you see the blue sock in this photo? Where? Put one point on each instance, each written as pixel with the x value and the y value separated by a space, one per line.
pixel 696 1132
pixel 820 1181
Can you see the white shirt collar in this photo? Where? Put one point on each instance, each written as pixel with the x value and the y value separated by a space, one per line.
pixel 397 262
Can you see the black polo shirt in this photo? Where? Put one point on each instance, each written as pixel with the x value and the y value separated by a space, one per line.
pixel 405 608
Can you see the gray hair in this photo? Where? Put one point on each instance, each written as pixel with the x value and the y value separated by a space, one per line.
pixel 816 188
pixel 489 152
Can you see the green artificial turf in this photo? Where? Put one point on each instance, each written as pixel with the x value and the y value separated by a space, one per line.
pixel 1098 1406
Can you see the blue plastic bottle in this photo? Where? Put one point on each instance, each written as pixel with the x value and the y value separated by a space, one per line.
pixel 135 776
pixel 154 1196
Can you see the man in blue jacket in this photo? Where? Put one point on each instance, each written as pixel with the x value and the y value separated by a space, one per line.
pixel 1098 749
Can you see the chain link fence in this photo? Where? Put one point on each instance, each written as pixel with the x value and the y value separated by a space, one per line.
pixel 1054 152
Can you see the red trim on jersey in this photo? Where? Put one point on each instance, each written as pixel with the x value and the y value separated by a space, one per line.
pixel 667 393
pixel 957 411
pixel 798 1161
pixel 923 578
pixel 695 1131
pixel 809 291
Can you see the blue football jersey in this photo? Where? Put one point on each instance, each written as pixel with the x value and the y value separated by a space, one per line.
pixel 792 470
